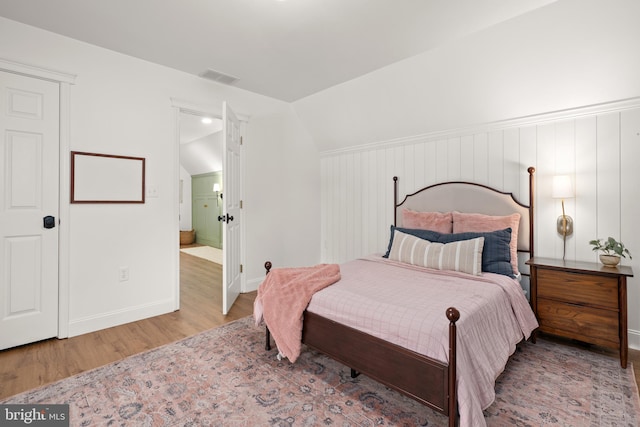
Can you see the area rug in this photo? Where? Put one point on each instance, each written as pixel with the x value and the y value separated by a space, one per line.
pixel 207 252
pixel 224 377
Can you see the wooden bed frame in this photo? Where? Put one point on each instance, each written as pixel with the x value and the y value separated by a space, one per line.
pixel 428 381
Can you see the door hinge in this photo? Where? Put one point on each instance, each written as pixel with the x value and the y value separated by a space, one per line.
pixel 241 141
pixel 240 268
pixel 240 204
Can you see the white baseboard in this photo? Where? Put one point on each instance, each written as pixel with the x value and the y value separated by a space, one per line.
pixel 634 339
pixel 119 317
pixel 252 285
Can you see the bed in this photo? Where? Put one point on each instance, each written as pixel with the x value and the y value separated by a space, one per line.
pixel 436 371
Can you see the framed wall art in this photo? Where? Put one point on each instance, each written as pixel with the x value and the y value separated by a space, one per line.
pixel 106 178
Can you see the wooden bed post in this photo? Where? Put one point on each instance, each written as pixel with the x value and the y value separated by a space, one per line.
pixel 267 345
pixel 395 200
pixel 531 171
pixel 453 315
pixel 532 281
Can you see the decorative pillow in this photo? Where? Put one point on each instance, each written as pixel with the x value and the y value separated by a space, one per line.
pixel 430 235
pixel 463 255
pixel 496 254
pixel 464 222
pixel 436 221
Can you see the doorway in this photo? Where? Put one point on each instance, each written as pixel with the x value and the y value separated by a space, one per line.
pixel 232 164
pixel 201 162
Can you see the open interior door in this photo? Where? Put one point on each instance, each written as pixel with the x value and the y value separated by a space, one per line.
pixel 231 216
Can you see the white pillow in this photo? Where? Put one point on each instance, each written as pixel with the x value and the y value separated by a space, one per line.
pixel 463 255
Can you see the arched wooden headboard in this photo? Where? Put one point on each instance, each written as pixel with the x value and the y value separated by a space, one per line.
pixel 469 197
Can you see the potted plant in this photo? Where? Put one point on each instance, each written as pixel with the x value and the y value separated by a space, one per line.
pixel 611 250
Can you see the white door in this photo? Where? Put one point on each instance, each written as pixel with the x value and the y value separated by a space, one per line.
pixel 29 163
pixel 231 176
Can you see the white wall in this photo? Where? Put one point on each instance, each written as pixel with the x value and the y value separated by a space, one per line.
pixel 122 105
pixel 442 115
pixel 598 147
pixel 568 54
pixel 203 155
pixel 287 192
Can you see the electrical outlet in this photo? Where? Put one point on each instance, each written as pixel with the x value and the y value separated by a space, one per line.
pixel 123 274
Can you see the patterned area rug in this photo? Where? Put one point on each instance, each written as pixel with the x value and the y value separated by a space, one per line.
pixel 225 377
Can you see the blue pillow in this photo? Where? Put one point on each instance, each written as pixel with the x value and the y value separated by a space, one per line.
pixel 496 253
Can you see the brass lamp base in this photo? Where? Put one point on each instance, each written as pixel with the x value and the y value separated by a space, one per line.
pixel 565 225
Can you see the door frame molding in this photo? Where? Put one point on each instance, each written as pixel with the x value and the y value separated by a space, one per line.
pixel 64 80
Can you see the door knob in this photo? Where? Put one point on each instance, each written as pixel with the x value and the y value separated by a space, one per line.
pixel 225 218
pixel 49 221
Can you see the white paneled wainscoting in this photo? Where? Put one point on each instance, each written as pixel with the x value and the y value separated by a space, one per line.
pixel 598 146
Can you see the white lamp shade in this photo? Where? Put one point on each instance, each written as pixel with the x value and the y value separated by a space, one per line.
pixel 216 187
pixel 562 187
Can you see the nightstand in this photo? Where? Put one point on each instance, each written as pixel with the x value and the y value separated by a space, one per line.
pixel 585 301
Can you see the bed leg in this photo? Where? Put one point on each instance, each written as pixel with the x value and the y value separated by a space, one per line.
pixel 354 373
pixel 453 315
pixel 267 344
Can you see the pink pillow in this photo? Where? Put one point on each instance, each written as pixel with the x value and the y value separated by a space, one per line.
pixel 434 221
pixel 464 222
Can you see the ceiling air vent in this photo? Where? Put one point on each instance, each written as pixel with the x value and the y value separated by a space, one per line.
pixel 217 76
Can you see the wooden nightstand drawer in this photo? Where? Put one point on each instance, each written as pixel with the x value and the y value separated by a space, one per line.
pixel 593 325
pixel 585 289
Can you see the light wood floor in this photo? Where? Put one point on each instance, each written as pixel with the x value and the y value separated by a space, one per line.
pixel 40 363
pixel 23 368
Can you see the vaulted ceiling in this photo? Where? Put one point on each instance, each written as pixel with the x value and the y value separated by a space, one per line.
pixel 285 49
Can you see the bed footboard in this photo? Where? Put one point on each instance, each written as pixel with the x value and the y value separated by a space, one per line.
pixel 426 380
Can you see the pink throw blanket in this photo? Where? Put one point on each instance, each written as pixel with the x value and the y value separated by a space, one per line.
pixel 282 298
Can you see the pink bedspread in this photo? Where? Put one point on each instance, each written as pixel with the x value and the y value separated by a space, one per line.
pixel 406 305
pixel 282 298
